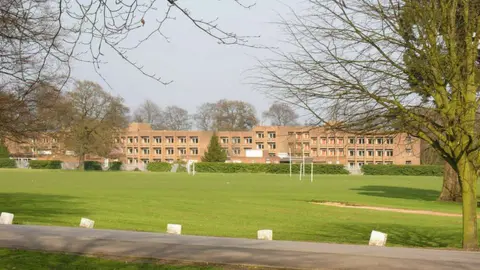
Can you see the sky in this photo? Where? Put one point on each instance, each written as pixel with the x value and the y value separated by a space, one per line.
pixel 200 69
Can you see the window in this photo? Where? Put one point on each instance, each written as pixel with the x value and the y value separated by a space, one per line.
pixel 224 139
pixel 194 139
pixel 379 153
pixel 236 151
pixel 307 154
pixel 379 163
pixel 135 139
pixel 182 139
pixel 260 135
pixel 194 151
pixel 45 140
pixel 135 161
pixel 272 146
pixel 290 133
pixel 340 140
pixel 379 140
pixel 260 146
pixel 306 146
pixel 314 151
pixel 170 139
pixel 129 160
pixel 145 151
pixel 389 153
pixel 55 140
pixel 158 151
pixel 248 140
pixel 388 162
pixel 235 139
pixel 408 151
pixel 272 135
pixel 340 152
pixel 130 140
pixel 408 139
pixel 157 160
pixel 371 140
pixel 306 135
pixel 351 140
pixel 135 150
pixel 408 162
pixel 145 161
pixel 224 149
pixel 331 140
pixel 370 153
pixel 361 140
pixel 331 152
pixel 145 139
pixel 323 152
pixel 323 140
pixel 361 153
pixel 169 151
pixel 182 151
pixel 314 140
pixel 298 135
pixel 158 139
pixel 351 152
pixel 130 150
pixel 271 154
pixel 390 140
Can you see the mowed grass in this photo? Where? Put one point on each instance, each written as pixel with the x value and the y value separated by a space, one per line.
pixel 234 205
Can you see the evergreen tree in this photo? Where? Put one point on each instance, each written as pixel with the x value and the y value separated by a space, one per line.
pixel 3 150
pixel 214 152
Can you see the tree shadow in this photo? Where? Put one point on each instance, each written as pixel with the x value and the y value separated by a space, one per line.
pixel 399 192
pixel 34 208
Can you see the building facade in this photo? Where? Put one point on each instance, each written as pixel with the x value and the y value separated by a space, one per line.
pixel 263 144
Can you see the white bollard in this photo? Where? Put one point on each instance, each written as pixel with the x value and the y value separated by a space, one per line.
pixel 6 218
pixel 87 223
pixel 378 239
pixel 174 229
pixel 265 235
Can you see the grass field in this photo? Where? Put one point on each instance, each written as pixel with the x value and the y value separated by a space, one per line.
pixel 234 205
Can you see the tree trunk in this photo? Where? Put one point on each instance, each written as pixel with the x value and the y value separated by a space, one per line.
pixel 451 191
pixel 468 178
pixel 81 162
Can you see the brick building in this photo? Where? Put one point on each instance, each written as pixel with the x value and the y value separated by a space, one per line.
pixel 263 144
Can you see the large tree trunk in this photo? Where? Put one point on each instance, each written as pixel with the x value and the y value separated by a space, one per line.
pixel 468 177
pixel 451 191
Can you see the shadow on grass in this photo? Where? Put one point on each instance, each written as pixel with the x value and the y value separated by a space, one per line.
pixel 34 208
pixel 399 192
pixel 398 235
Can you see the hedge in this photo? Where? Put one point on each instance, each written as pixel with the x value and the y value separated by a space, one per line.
pixel 159 167
pixel 267 168
pixel 7 163
pixel 115 166
pixel 45 164
pixel 415 170
pixel 92 166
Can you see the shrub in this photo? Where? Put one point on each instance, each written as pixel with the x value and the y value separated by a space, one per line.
pixel 45 164
pixel 7 163
pixel 3 150
pixel 415 170
pixel 115 166
pixel 92 166
pixel 159 167
pixel 211 167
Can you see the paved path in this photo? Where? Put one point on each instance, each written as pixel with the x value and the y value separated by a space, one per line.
pixel 231 251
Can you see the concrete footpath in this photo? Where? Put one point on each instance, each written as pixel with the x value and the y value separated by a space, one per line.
pixel 279 254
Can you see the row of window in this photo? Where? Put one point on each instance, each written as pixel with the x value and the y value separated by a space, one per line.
pixel 44 140
pixel 158 139
pixel 370 153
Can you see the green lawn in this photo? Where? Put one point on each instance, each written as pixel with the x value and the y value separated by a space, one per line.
pixel 30 260
pixel 234 205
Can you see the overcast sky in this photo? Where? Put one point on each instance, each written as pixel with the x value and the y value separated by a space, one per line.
pixel 201 70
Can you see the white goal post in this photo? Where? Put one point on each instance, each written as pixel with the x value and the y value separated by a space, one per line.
pixel 191 167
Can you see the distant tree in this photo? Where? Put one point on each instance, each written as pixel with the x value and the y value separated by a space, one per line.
pixel 214 152
pixel 234 115
pixel 205 116
pixel 148 112
pixel 95 119
pixel 176 118
pixel 281 114
pixel 3 150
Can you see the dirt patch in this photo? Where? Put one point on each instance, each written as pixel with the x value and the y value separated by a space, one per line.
pixel 387 209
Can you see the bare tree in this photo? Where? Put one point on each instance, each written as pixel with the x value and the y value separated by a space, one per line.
pixel 390 66
pixel 205 116
pixel 95 119
pixel 281 114
pixel 40 39
pixel 176 118
pixel 149 112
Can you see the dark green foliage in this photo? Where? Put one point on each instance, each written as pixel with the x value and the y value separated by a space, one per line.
pixel 92 166
pixel 7 163
pixel 115 166
pixel 212 167
pixel 45 164
pixel 214 151
pixel 421 170
pixel 3 150
pixel 159 167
